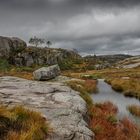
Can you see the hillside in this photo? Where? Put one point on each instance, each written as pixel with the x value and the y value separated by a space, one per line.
pixel 104 61
pixel 109 58
pixel 129 62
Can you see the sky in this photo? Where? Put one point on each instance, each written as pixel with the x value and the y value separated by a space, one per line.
pixel 90 26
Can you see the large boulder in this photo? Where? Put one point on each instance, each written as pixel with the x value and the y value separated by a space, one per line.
pixel 4 47
pixel 18 45
pixel 10 47
pixel 46 73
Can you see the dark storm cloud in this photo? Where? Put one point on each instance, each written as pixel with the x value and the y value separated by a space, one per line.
pixel 101 26
pixel 71 2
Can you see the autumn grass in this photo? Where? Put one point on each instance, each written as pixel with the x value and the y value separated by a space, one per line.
pixel 134 110
pixel 129 87
pixel 19 123
pixel 106 126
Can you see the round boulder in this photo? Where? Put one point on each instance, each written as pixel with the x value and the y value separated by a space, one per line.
pixel 46 73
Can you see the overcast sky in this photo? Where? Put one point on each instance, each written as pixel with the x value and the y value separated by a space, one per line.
pixel 90 26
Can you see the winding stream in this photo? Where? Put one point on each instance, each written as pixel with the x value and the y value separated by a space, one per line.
pixel 106 93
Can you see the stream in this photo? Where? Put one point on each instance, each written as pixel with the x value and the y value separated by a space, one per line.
pixel 106 93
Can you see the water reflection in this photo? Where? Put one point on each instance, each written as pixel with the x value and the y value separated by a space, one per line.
pixel 106 93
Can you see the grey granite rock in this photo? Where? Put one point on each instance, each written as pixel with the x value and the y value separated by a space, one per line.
pixel 10 46
pixel 64 109
pixel 46 73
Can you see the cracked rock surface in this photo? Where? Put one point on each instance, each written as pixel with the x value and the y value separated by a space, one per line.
pixel 63 107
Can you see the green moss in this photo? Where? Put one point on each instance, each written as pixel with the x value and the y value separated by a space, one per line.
pixel 4 65
pixel 112 118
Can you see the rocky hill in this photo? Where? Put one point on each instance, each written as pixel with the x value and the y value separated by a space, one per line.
pixel 18 53
pixel 109 58
pixel 129 62
pixel 105 61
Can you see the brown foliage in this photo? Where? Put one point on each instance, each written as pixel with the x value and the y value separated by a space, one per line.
pixel 105 125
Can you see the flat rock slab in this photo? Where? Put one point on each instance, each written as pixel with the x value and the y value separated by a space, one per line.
pixel 63 107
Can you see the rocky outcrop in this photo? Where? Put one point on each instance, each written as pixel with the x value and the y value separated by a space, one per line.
pixel 48 56
pixel 64 109
pixel 46 73
pixel 10 46
pixel 17 53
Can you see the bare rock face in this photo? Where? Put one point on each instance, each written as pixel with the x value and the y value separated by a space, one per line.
pixel 49 56
pixel 4 47
pixel 46 73
pixel 10 46
pixel 64 108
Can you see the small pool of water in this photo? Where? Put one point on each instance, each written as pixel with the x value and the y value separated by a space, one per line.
pixel 106 93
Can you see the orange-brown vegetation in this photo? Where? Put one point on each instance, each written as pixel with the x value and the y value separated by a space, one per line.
pixel 105 125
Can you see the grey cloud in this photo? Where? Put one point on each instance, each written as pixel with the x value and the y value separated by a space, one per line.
pixel 105 26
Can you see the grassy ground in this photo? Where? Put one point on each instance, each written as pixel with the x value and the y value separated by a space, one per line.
pixel 106 73
pixel 22 72
pixel 126 81
pixel 19 123
pixel 134 110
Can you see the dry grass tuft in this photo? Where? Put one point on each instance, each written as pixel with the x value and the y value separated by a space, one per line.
pixel 19 123
pixel 129 87
pixel 134 109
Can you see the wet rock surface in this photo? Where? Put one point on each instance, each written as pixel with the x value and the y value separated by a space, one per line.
pixel 64 109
